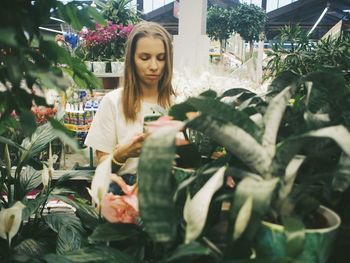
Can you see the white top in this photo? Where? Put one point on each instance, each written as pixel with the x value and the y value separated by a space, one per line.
pixel 109 127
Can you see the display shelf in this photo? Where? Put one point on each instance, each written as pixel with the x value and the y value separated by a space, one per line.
pixel 108 75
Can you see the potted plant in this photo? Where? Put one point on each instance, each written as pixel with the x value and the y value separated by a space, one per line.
pixel 104 44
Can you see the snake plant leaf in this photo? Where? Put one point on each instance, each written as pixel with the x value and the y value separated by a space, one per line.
pixel 261 191
pixel 338 133
pixel 178 111
pixel 235 140
pixel 295 235
pixel 272 118
pixel 288 179
pixel 188 250
pixel 225 112
pixel 156 188
pixel 287 149
pixel 196 208
pixel 341 180
pixel 243 218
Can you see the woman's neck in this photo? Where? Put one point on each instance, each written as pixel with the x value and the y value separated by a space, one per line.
pixel 150 94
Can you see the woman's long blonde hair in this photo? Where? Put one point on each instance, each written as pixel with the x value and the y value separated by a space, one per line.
pixel 132 91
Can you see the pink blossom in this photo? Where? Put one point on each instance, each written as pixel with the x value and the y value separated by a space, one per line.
pixel 121 208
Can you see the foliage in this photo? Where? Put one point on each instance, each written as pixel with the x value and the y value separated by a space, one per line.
pixel 219 16
pixel 248 21
pixel 104 43
pixel 30 183
pixel 118 12
pixel 26 71
pixel 304 56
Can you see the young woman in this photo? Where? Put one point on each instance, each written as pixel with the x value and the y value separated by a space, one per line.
pixel 117 127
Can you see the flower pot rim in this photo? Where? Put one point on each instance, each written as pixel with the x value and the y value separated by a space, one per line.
pixel 322 209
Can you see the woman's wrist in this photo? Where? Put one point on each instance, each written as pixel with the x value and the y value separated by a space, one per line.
pixel 118 157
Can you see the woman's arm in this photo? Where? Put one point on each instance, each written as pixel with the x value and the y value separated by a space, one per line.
pixel 124 151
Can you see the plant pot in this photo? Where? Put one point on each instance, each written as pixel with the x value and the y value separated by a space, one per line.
pixel 99 67
pixel 117 67
pixel 271 240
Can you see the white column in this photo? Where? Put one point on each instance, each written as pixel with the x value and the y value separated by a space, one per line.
pixel 191 45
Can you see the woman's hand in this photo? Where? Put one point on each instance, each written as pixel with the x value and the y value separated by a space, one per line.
pixel 130 149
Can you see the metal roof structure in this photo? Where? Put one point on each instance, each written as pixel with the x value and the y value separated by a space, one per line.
pixel 306 13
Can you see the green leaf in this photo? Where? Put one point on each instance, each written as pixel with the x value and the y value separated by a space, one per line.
pixel 30 247
pixel 58 220
pixel 188 250
pixel 243 218
pixel 28 122
pixel 68 240
pixel 65 135
pixel 178 111
pixel 95 254
pixel 32 206
pixel 225 112
pixel 196 208
pixel 295 235
pixel 235 140
pixel 341 180
pixel 8 37
pixel 273 117
pixel 156 189
pixel 114 232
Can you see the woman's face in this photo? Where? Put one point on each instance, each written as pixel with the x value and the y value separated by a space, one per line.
pixel 149 61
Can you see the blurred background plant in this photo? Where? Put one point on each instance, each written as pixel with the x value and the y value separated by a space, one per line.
pixel 105 43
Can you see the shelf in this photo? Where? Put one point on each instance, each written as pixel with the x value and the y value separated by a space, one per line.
pixel 108 75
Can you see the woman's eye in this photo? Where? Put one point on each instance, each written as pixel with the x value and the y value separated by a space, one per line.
pixel 161 57
pixel 144 58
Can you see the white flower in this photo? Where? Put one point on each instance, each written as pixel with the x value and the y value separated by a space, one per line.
pixel 10 221
pixel 47 172
pixel 101 181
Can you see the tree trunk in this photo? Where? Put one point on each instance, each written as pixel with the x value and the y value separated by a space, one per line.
pixel 251 49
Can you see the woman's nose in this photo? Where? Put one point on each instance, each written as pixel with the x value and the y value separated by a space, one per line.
pixel 153 64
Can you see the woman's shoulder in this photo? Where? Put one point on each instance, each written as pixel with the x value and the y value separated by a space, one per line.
pixel 116 93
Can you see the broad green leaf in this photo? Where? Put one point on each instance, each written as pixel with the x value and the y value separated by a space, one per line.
pixel 64 134
pixel 32 207
pixel 68 240
pixel 85 212
pixel 235 140
pixel 188 250
pixel 295 235
pixel 28 122
pixel 114 232
pixel 56 221
pixel 156 189
pixel 243 218
pixel 196 208
pixel 30 247
pixel 94 254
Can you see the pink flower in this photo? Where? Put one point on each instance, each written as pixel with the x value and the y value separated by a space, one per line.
pixel 121 208
pixel 167 121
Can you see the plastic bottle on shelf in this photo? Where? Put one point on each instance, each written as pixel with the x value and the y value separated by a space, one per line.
pixel 88 112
